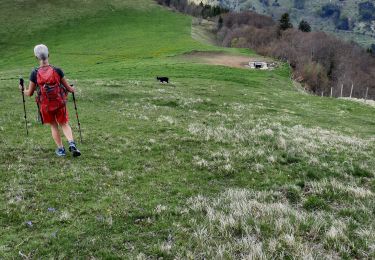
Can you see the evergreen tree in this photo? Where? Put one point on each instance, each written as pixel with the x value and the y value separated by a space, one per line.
pixel 285 23
pixel 304 26
pixel 220 22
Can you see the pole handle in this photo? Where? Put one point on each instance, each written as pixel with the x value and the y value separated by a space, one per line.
pixel 22 83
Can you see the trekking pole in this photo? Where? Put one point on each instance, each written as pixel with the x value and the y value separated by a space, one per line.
pixel 75 107
pixel 24 104
pixel 40 118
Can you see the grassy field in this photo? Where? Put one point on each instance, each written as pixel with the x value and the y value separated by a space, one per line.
pixel 221 163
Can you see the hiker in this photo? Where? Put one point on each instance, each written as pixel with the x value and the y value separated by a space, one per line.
pixel 52 90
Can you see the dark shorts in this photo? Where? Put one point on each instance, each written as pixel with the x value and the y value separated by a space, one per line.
pixel 59 116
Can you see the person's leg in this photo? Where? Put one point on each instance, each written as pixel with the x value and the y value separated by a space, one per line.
pixel 63 119
pixel 60 151
pixel 67 130
pixel 56 134
pixel 49 118
pixel 69 135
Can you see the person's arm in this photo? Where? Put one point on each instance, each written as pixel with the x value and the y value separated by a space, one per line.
pixel 30 91
pixel 67 86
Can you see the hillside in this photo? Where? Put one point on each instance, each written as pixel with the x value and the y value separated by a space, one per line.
pixel 222 163
pixel 351 20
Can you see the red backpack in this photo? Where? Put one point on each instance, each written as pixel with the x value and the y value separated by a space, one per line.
pixel 51 95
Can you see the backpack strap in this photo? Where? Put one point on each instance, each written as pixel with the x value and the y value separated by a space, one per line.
pixel 61 85
pixel 38 92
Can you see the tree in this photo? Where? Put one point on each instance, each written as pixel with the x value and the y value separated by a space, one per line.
pixel 330 10
pixel 304 26
pixel 220 22
pixel 285 23
pixel 366 11
pixel 343 23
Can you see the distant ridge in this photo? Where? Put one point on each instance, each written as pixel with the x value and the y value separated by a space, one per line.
pixel 351 20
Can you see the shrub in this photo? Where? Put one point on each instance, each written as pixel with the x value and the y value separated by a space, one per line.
pixel 304 26
pixel 366 11
pixel 330 10
pixel 343 24
pixel 315 77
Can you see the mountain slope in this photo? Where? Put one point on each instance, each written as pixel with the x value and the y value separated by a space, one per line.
pixel 352 20
pixel 208 166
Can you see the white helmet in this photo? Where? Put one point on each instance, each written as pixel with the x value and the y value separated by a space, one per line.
pixel 41 52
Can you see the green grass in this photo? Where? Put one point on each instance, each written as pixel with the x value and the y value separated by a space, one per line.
pixel 218 160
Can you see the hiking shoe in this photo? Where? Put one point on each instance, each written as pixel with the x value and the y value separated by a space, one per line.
pixel 73 149
pixel 60 152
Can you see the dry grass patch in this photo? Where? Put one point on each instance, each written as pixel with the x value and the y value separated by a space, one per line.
pixel 263 143
pixel 223 59
pixel 264 225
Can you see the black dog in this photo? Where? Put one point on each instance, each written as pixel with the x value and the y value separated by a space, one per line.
pixel 163 79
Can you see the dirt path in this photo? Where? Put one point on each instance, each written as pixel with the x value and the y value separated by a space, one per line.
pixel 223 59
